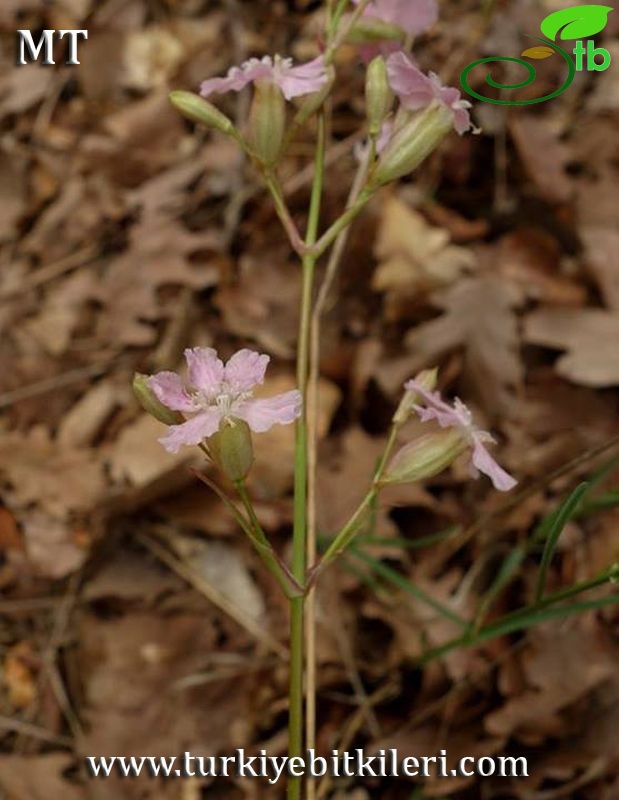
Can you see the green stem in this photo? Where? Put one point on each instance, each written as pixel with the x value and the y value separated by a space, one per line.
pixel 331 234
pixel 297 605
pixel 288 583
pixel 351 528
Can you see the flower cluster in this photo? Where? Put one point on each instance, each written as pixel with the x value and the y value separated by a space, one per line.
pixel 216 393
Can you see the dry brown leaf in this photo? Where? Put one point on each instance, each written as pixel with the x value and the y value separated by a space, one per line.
pixel 39 777
pixel 19 674
pixel 589 335
pixel 544 156
pixel 262 305
pixel 159 254
pixel 20 89
pixel 53 546
pixel 223 568
pixel 12 195
pixel 562 663
pixel 272 473
pixel 138 458
pixel 83 422
pixel 602 257
pixel 480 319
pixel 54 479
pixel 414 257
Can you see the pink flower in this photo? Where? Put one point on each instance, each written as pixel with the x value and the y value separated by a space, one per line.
pixel 293 81
pixel 215 392
pixel 461 418
pixel 417 90
pixel 413 16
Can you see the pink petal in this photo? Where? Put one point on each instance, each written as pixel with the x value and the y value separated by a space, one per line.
pixel 484 462
pixel 169 390
pixel 192 432
pixel 239 77
pixel 437 409
pixel 413 16
pixel 245 370
pixel 206 371
pixel 414 89
pixel 417 90
pixel 301 80
pixel 262 414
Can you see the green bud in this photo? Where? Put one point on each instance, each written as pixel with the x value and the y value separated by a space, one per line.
pixel 378 94
pixel 413 143
pixel 149 402
pixel 425 457
pixel 199 110
pixel 368 30
pixel 231 448
pixel 267 122
pixel 428 379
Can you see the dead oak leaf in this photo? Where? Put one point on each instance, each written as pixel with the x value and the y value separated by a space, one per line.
pixel 55 479
pixel 602 255
pixel 414 256
pixel 38 778
pixel 590 337
pixel 479 318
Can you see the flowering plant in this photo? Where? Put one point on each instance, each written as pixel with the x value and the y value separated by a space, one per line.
pixel 214 407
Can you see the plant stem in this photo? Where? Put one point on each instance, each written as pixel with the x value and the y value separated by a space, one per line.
pixel 297 605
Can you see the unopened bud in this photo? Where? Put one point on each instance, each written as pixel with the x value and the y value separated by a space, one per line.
pixel 149 402
pixel 613 573
pixel 267 122
pixel 425 457
pixel 199 110
pixel 378 95
pixel 369 30
pixel 413 143
pixel 231 448
pixel 428 379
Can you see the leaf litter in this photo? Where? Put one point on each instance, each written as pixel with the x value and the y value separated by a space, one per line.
pixel 119 246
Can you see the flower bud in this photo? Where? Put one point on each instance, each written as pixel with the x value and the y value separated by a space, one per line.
pixel 378 95
pixel 425 457
pixel 199 110
pixel 413 143
pixel 267 122
pixel 149 402
pixel 428 379
pixel 370 30
pixel 231 448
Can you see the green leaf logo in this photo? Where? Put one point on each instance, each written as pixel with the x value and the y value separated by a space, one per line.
pixel 578 22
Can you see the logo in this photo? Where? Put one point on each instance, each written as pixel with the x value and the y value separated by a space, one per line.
pixel 28 51
pixel 576 23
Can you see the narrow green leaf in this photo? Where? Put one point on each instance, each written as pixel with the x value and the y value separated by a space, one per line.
pixel 408 544
pixel 563 514
pixel 403 583
pixel 508 569
pixel 516 622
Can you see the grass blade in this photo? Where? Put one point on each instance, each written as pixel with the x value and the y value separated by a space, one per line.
pixel 403 583
pixel 553 529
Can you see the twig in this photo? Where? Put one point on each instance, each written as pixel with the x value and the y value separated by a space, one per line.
pixel 51 384
pixel 214 595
